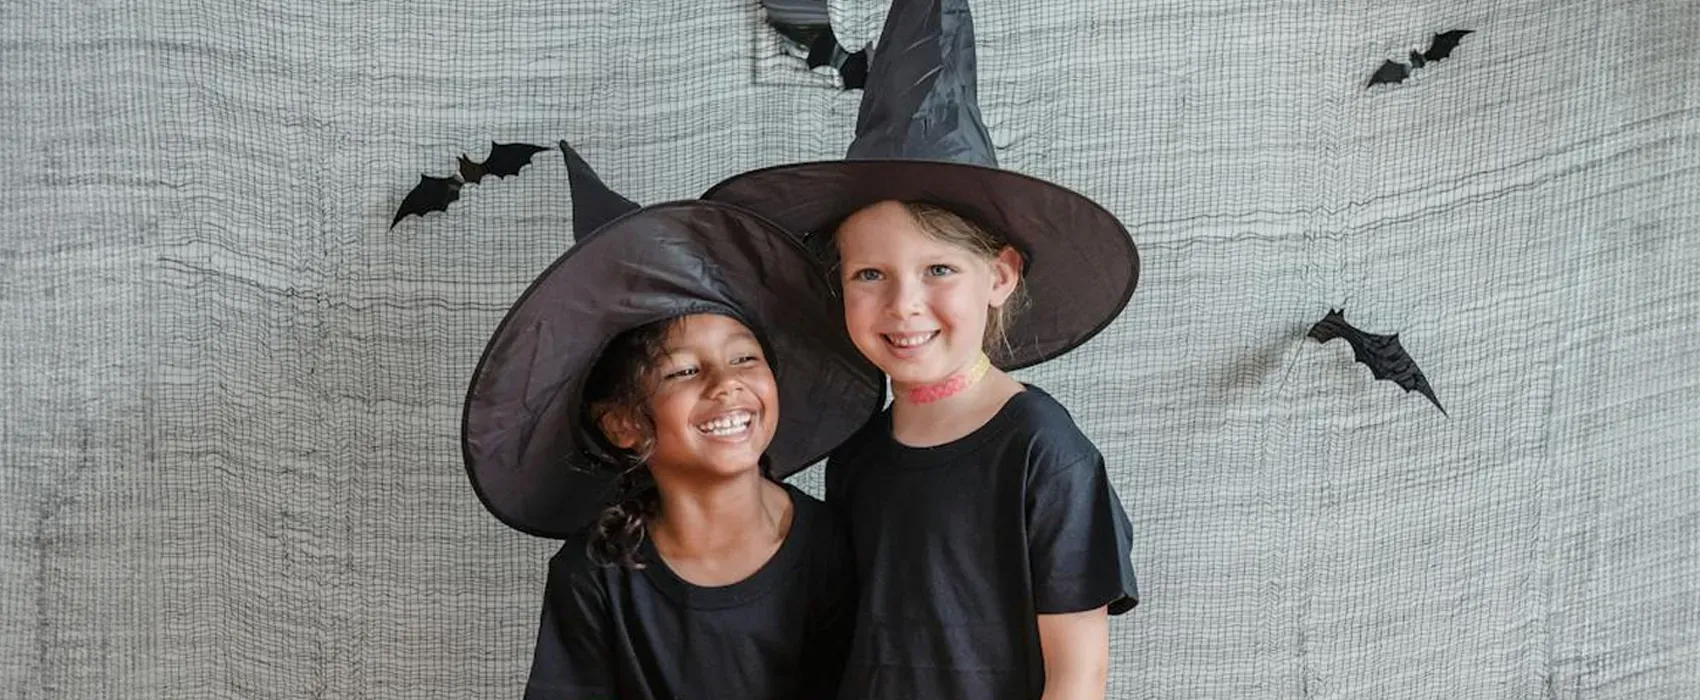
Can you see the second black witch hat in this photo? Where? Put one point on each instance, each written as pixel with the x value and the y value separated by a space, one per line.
pixel 919 137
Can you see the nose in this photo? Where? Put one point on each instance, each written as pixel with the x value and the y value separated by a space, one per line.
pixel 904 298
pixel 723 382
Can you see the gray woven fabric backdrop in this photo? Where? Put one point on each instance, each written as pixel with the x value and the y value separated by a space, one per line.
pixel 230 399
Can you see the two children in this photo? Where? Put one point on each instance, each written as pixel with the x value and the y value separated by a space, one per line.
pixel 688 354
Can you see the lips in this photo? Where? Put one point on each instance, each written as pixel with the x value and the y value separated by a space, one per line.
pixel 729 424
pixel 909 340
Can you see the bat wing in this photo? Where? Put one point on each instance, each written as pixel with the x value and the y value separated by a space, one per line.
pixel 1444 43
pixel 1386 358
pixel 803 35
pixel 431 194
pixel 507 158
pixel 822 47
pixel 1389 72
pixel 854 70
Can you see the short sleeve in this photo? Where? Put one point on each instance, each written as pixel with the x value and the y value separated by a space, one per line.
pixel 572 658
pixel 1079 539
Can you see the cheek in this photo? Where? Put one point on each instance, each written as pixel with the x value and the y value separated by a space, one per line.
pixel 767 391
pixel 963 302
pixel 765 386
pixel 669 412
pixel 860 311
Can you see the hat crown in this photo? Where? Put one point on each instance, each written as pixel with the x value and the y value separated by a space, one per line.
pixel 921 101
pixel 594 203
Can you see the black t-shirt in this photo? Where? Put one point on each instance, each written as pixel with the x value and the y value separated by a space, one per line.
pixel 782 633
pixel 960 546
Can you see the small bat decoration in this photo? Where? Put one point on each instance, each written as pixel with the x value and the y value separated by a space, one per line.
pixel 824 50
pixel 1441 47
pixel 1382 353
pixel 436 193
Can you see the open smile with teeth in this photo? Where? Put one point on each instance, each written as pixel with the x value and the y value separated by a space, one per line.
pixel 909 340
pixel 727 424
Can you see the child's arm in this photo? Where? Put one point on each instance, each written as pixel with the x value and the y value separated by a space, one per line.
pixel 1076 647
pixel 571 661
pixel 1078 549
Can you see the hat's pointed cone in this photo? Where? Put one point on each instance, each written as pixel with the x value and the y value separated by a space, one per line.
pixel 594 204
pixel 920 101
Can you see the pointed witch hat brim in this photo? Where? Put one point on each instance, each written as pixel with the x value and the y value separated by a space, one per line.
pixel 920 138
pixel 523 434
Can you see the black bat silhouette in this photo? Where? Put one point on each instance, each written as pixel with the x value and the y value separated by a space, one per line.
pixel 436 193
pixel 824 50
pixel 1441 47
pixel 1386 358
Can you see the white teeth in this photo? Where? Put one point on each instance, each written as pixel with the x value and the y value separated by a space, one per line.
pixel 729 424
pixel 909 341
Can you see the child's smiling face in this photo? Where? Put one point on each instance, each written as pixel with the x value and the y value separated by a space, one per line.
pixel 713 401
pixel 916 306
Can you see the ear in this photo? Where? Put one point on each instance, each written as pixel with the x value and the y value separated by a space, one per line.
pixel 620 428
pixel 1006 274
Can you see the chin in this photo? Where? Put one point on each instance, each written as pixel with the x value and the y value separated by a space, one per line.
pixel 924 370
pixel 914 376
pixel 732 460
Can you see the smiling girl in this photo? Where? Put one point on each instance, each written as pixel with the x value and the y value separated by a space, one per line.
pixel 640 401
pixel 710 578
pixel 991 548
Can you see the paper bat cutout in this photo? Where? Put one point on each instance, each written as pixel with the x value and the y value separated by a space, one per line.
pixel 1442 46
pixel 436 193
pixel 852 66
pixel 823 46
pixel 1382 353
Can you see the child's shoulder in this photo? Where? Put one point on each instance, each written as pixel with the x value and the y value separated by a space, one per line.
pixel 805 503
pixel 1038 423
pixel 823 522
pixel 826 539
pixel 875 432
pixel 573 558
pixel 1036 429
pixel 574 566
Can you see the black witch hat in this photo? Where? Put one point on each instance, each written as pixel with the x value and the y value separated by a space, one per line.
pixel 523 432
pixel 919 137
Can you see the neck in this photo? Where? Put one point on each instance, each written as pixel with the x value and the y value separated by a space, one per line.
pixel 954 385
pixel 947 419
pixel 702 516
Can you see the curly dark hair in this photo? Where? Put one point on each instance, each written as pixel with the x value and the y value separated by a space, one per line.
pixel 619 383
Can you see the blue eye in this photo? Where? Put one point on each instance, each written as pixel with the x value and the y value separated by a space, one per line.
pixel 866 275
pixel 940 270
